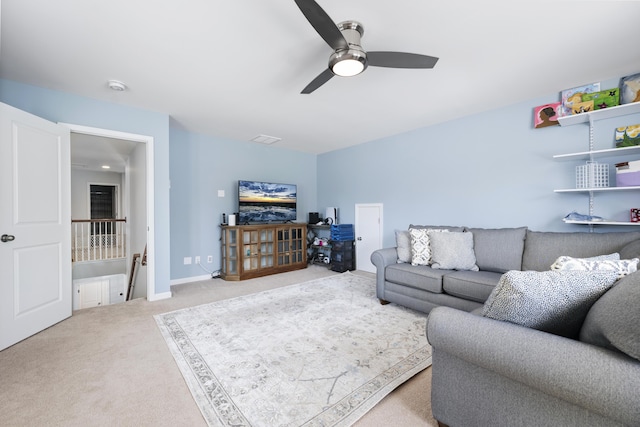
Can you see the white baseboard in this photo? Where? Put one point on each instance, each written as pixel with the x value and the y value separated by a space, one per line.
pixel 158 297
pixel 190 279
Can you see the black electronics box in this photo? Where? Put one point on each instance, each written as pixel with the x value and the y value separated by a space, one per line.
pixel 314 217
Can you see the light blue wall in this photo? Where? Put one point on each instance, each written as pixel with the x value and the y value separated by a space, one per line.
pixel 488 170
pixel 64 107
pixel 200 166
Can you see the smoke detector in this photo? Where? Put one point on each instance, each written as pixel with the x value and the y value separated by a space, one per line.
pixel 116 85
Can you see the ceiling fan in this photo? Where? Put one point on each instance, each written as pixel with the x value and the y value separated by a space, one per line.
pixel 349 58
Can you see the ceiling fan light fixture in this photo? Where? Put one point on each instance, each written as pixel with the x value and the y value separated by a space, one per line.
pixel 348 63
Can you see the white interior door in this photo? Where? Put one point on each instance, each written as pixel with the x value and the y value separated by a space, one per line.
pixel 35 222
pixel 368 234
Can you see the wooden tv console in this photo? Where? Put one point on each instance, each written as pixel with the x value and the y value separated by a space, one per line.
pixel 250 251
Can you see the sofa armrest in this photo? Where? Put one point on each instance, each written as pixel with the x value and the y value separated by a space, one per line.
pixel 603 381
pixel 381 258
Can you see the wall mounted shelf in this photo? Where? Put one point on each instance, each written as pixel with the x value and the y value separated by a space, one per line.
pixel 602 222
pixel 602 189
pixel 590 119
pixel 589 155
pixel 605 113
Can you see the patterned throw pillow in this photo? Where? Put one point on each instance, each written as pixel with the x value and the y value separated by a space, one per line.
pixel 403 245
pixel 452 251
pixel 420 247
pixel 601 263
pixel 551 301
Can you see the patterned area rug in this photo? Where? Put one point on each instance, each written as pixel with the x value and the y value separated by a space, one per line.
pixel 320 353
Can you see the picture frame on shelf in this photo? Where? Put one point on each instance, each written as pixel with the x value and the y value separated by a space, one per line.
pixel 604 98
pixel 627 136
pixel 574 95
pixel 546 115
pixel 630 89
pixel 582 107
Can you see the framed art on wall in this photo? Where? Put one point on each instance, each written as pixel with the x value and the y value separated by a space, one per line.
pixel 546 115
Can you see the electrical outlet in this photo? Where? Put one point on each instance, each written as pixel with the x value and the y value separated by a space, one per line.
pixel 220 193
pixel 187 260
pixel 197 260
pixel 210 259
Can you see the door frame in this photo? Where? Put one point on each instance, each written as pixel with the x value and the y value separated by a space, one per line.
pixel 150 161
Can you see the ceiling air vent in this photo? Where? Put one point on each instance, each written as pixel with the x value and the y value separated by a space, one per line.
pixel 265 139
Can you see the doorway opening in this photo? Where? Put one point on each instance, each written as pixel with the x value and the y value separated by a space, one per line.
pixel 125 196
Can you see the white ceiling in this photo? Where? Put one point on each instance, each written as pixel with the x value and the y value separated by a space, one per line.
pixel 92 153
pixel 235 68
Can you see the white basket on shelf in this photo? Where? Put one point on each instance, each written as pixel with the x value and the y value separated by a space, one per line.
pixel 592 175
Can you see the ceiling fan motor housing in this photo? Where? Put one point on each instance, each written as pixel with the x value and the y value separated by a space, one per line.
pixel 352 32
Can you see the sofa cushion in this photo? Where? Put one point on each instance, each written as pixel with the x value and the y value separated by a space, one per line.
pixel 452 251
pixel 499 249
pixel 542 248
pixel 604 262
pixel 403 245
pixel 416 276
pixel 614 320
pixel 631 250
pixel 551 301
pixel 470 285
pixel 421 245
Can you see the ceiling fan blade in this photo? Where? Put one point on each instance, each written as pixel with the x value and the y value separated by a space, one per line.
pixel 400 60
pixel 322 78
pixel 323 24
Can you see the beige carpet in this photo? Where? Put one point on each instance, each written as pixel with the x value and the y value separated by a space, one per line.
pixel 109 366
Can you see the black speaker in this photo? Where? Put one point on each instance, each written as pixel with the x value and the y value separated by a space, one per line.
pixel 314 217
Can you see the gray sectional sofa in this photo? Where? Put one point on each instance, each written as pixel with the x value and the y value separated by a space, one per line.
pixel 497 251
pixel 489 372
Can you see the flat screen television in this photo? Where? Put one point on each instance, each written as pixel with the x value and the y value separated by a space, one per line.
pixel 266 202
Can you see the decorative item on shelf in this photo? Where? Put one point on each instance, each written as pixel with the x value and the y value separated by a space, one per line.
pixel 635 215
pixel 604 98
pixel 628 174
pixel 546 115
pixel 630 89
pixel 574 95
pixel 627 136
pixel 582 107
pixel 314 217
pixel 592 175
pixel 575 216
pixel 321 241
pixel 331 216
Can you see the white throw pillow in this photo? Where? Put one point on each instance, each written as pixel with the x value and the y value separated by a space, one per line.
pixel 452 251
pixel 420 247
pixel 601 263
